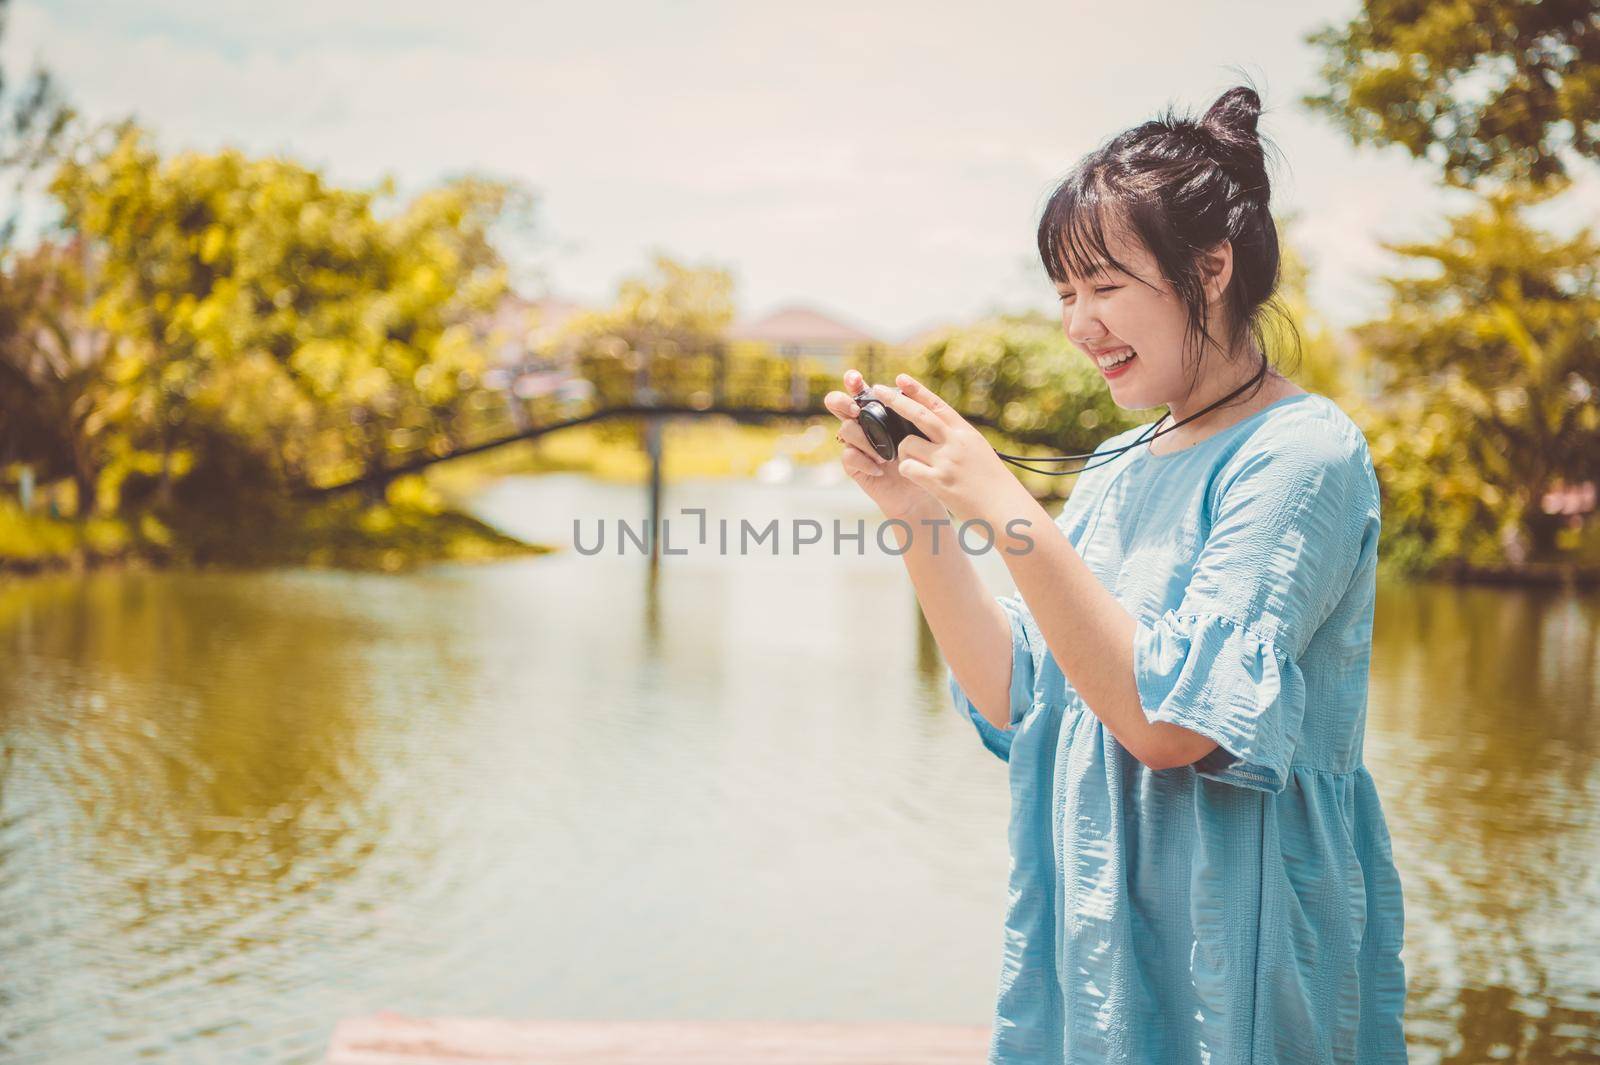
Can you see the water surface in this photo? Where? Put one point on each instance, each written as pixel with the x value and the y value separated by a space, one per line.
pixel 237 806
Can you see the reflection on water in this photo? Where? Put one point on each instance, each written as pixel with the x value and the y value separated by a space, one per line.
pixel 235 807
pixel 1484 708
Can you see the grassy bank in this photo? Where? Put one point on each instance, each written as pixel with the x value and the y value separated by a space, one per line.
pixel 31 543
pixel 411 526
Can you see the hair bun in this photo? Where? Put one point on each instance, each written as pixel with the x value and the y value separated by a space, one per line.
pixel 1230 125
pixel 1237 111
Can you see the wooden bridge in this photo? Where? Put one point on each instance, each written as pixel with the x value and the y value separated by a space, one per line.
pixel 684 386
pixel 702 384
pixel 654 412
pixel 395 1039
pixel 711 383
pixel 647 395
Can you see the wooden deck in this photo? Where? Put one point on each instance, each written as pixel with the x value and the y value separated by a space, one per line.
pixel 395 1039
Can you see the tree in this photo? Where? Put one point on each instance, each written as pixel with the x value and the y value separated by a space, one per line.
pixel 401 360
pixel 1483 88
pixel 51 369
pixel 312 323
pixel 40 386
pixel 1495 360
pixel 661 318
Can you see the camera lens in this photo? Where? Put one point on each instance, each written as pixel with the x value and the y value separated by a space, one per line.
pixel 877 433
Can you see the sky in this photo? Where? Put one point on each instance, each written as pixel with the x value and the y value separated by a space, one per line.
pixel 883 162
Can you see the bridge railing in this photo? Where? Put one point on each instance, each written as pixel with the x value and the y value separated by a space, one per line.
pixel 721 375
pixel 613 387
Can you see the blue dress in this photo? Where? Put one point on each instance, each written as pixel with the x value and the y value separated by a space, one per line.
pixel 1243 910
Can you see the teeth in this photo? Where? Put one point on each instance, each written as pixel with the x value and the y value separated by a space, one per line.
pixel 1108 361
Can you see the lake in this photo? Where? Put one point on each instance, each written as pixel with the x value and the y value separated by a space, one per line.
pixel 235 807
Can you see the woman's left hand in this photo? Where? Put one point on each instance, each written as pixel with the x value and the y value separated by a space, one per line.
pixel 955 464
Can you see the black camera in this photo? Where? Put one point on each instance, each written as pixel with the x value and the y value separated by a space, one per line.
pixel 885 427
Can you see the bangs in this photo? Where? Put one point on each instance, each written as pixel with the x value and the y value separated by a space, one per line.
pixel 1072 233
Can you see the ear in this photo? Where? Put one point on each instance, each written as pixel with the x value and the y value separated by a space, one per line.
pixel 1216 269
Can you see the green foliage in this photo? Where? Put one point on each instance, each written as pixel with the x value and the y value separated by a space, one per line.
pixel 249 295
pixel 1487 362
pixel 216 330
pixel 674 305
pixel 1483 88
pixel 663 333
pixel 1437 508
pixel 1491 362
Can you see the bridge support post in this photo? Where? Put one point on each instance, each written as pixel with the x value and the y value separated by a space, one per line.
pixel 652 444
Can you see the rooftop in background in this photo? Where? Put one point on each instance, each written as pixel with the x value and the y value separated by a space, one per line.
pixel 803 328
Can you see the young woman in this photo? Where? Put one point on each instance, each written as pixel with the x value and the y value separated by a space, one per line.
pixel 1201 871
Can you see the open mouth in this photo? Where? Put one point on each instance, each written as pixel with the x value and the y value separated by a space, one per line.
pixel 1116 362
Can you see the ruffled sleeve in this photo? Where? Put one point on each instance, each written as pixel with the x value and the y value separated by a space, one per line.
pixel 999 740
pixel 1292 524
pixel 1213 676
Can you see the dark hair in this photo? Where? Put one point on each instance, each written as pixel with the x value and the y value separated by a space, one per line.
pixel 1180 186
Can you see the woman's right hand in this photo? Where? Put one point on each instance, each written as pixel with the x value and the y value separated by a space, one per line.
pixel 895 496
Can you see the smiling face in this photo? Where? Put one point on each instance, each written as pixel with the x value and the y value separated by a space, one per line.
pixel 1113 310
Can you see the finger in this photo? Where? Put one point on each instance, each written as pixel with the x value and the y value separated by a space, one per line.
pixel 924 395
pixel 840 405
pixel 855 462
pixel 917 473
pixel 852 435
pixel 914 447
pixel 911 411
pixel 853 381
